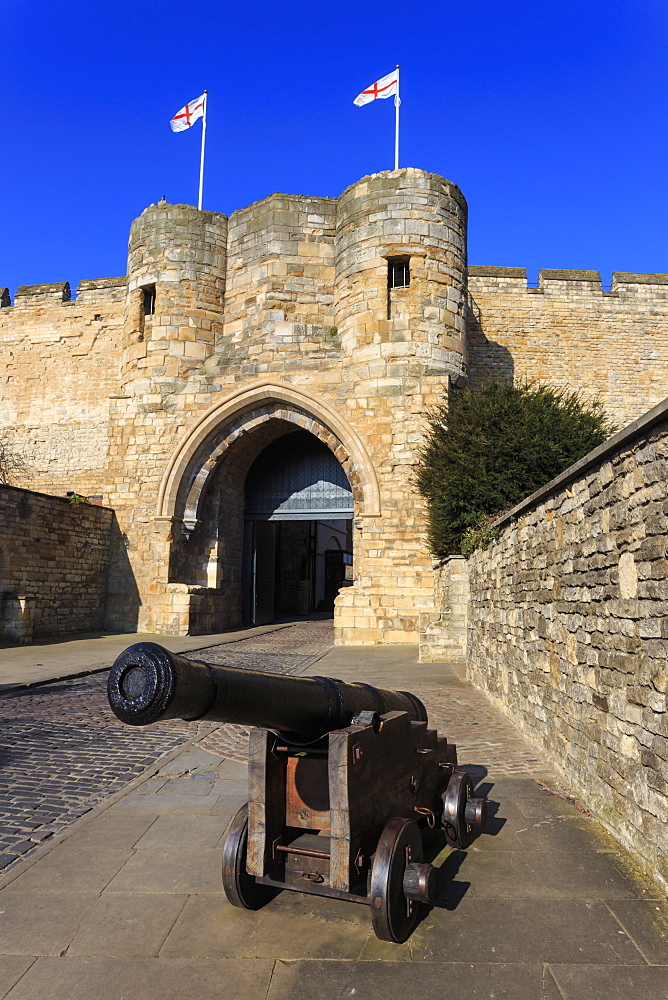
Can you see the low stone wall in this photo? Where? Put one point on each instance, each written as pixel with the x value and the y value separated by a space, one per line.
pixel 54 563
pixel 567 630
pixel 443 631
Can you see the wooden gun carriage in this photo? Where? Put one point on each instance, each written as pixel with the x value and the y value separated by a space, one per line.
pixel 343 781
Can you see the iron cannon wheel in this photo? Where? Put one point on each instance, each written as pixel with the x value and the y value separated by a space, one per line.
pixel 458 832
pixel 393 916
pixel 241 888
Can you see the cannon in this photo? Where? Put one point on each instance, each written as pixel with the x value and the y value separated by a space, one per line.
pixel 344 780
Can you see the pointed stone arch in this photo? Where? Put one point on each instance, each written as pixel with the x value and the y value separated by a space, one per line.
pixel 243 411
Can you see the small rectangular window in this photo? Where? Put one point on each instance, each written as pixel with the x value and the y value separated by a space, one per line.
pixel 398 272
pixel 148 298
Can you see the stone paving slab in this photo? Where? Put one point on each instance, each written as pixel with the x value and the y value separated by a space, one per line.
pixel 180 833
pixel 546 875
pixel 34 923
pixel 543 906
pixel 111 830
pixel 12 967
pixel 143 979
pixel 68 869
pixel 293 926
pixel 126 925
pixel 646 923
pixel 172 869
pixel 525 930
pixel 383 980
pixel 610 983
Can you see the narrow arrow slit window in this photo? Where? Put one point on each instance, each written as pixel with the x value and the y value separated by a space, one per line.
pixel 398 272
pixel 148 299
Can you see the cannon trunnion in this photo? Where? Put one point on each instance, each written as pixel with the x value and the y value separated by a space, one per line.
pixel 343 781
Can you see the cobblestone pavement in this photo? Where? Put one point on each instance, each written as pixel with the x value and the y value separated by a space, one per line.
pixel 486 741
pixel 62 751
pixel 290 651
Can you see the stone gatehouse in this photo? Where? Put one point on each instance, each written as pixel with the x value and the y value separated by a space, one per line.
pixel 252 396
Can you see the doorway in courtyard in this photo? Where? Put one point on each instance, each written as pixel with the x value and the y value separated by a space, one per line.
pixel 297 530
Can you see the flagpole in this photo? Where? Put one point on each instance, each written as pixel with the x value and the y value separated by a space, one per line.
pixel 201 159
pixel 397 102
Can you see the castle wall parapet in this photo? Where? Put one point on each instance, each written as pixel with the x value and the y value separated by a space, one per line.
pixel 569 331
pixel 55 291
pixel 484 276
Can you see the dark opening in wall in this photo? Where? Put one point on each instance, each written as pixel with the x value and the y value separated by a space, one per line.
pixel 398 272
pixel 148 299
pixel 398 278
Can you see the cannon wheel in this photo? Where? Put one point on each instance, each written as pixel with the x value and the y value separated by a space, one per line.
pixel 241 888
pixel 458 832
pixel 393 916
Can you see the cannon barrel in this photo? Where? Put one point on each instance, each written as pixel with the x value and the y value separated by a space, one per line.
pixel 147 683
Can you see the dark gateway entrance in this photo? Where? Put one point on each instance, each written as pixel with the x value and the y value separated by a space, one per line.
pixel 297 530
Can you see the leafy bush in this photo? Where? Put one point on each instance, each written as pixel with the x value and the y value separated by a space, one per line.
pixel 479 537
pixel 489 448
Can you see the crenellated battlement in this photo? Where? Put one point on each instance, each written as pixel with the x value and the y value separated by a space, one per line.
pixel 569 330
pixel 90 291
pixel 560 281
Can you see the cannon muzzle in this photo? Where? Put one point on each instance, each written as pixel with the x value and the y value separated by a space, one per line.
pixel 147 683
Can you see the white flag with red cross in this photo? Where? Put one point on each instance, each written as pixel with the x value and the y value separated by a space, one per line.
pixel 388 86
pixel 188 116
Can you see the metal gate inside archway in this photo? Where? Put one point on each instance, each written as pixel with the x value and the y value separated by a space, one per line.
pixel 297 530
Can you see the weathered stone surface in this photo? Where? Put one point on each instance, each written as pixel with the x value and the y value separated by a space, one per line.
pixel 571 641
pixel 54 565
pixel 156 391
pixel 289 300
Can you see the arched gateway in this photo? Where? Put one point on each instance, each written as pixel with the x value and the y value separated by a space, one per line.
pixel 261 494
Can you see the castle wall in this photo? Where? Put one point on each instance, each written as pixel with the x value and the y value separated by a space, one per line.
pixel 269 289
pixel 291 300
pixel 54 563
pixel 400 346
pixel 568 331
pixel 306 301
pixel 58 367
pixel 567 630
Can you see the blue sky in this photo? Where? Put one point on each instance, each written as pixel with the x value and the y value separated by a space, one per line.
pixel 553 119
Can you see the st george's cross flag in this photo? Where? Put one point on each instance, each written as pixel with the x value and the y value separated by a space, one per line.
pixel 188 116
pixel 388 86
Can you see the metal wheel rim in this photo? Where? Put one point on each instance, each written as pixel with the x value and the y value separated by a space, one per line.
pixel 393 916
pixel 458 832
pixel 241 888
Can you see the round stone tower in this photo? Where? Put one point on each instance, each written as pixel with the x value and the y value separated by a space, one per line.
pixel 399 306
pixel 401 271
pixel 176 286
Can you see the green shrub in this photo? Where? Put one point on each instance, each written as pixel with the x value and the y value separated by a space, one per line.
pixel 489 448
pixel 478 538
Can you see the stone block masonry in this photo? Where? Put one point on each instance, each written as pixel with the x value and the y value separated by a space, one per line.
pixel 568 331
pixel 568 630
pixel 348 318
pixel 54 563
pixel 58 367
